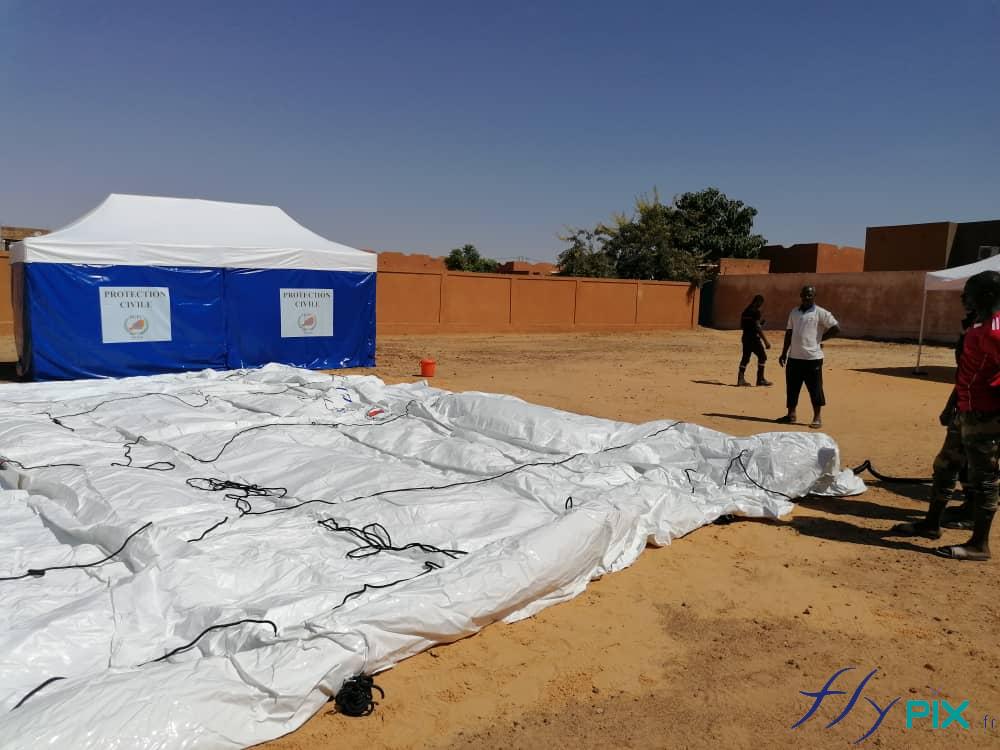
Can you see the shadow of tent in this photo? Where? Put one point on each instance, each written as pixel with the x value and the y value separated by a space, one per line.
pixel 932 373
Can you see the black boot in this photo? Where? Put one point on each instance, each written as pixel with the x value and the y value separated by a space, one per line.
pixel 978 547
pixel 742 380
pixel 929 527
pixel 981 531
pixel 962 517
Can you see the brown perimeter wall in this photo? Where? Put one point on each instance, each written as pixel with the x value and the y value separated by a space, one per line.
pixel 430 301
pixel 427 302
pixel 879 304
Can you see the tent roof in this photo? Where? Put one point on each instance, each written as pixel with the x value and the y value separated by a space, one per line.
pixel 141 230
pixel 954 278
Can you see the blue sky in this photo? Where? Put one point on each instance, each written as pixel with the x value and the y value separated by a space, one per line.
pixel 421 126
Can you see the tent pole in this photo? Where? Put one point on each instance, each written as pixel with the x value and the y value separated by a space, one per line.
pixel 920 341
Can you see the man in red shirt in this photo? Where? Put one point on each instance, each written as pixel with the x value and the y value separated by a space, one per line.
pixel 976 386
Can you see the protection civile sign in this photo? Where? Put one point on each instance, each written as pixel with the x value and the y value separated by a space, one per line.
pixel 135 313
pixel 306 312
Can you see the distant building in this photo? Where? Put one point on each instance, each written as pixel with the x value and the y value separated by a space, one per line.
pixel 523 268
pixel 930 246
pixel 393 261
pixel 814 257
pixel 10 235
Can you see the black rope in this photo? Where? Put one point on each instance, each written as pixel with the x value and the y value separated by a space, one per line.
pixel 738 459
pixel 355 696
pixel 207 531
pixel 44 684
pixel 208 630
pixel 126 398
pixel 429 567
pixel 569 503
pixel 210 484
pixel 39 572
pixel 4 461
pixel 867 466
pixel 375 538
pixel 155 466
pixel 687 473
pixel 463 483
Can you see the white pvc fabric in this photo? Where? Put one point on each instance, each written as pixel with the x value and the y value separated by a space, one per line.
pixel 280 588
pixel 142 230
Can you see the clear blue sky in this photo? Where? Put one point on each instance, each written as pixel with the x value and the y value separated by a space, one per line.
pixel 420 126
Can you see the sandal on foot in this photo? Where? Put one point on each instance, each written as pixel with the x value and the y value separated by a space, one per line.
pixel 961 553
pixel 962 524
pixel 915 529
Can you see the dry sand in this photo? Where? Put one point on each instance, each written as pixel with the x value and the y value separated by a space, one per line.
pixel 707 642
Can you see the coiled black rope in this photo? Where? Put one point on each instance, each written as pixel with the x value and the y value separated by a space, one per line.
pixel 355 696
pixel 39 572
pixel 208 630
pixel 375 538
pixel 867 466
pixel 210 484
pixel 43 685
pixel 155 466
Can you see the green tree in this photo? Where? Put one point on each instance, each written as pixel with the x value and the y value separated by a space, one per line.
pixel 710 222
pixel 467 258
pixel 678 242
pixel 585 256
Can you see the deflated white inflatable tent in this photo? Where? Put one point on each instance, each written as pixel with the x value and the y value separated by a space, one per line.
pixel 266 535
pixel 144 285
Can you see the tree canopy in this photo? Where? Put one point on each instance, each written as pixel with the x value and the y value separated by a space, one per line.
pixel 467 258
pixel 682 241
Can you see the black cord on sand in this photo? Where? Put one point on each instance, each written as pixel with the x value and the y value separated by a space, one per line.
pixel 206 631
pixel 355 696
pixel 39 572
pixel 867 466
pixel 43 685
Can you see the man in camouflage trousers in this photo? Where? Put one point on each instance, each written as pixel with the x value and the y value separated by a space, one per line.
pixel 978 404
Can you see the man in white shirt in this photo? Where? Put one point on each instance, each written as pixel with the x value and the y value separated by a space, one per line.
pixel 809 325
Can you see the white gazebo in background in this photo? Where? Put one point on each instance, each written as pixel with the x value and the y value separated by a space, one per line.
pixel 948 279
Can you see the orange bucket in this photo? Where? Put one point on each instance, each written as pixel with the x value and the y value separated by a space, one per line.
pixel 427 367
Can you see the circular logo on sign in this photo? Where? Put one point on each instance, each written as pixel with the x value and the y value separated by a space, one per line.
pixel 136 325
pixel 307 321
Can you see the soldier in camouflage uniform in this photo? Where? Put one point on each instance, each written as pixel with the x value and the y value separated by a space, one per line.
pixel 978 404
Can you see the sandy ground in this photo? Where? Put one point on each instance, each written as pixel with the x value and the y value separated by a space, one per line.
pixel 707 642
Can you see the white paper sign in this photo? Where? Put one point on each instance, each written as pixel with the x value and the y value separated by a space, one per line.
pixel 135 313
pixel 306 312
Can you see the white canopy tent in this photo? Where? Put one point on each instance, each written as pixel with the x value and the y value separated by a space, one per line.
pixel 947 279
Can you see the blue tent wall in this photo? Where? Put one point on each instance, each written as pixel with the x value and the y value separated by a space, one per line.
pixel 61 318
pixel 253 315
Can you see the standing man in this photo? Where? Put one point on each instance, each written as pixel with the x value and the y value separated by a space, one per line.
pixel 809 325
pixel 754 341
pixel 976 386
